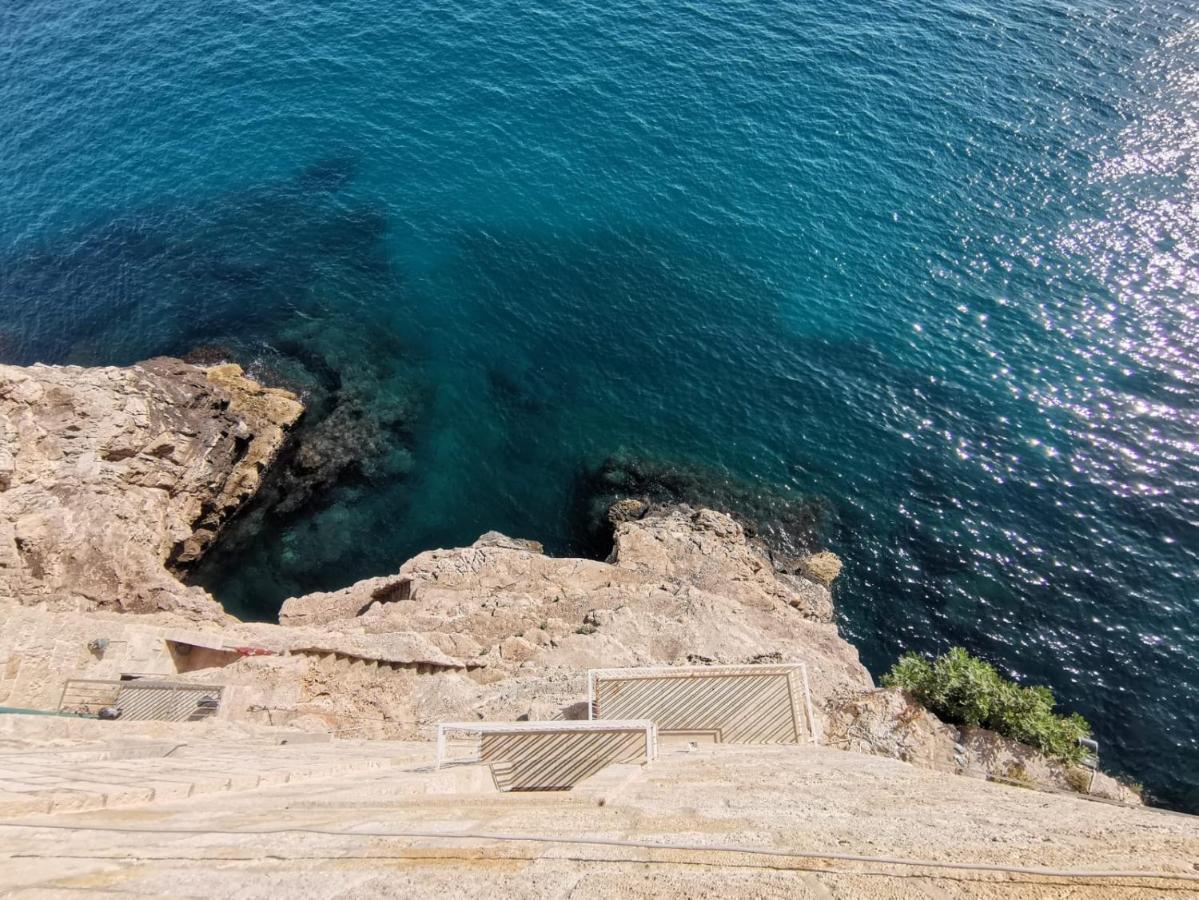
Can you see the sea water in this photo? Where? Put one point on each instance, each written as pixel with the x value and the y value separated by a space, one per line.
pixel 929 271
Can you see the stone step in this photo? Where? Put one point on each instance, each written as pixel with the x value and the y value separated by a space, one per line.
pixel 34 783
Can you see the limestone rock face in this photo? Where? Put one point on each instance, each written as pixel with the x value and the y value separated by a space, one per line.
pixel 112 477
pixel 890 723
pixel 682 585
pixel 323 607
pixel 1017 763
pixel 495 539
pixel 822 567
pixel 710 550
pixel 626 510
pixel 113 480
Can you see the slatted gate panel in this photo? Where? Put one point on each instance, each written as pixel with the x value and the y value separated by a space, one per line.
pixel 88 696
pixel 462 749
pixel 166 702
pixel 736 707
pixel 162 701
pixel 557 761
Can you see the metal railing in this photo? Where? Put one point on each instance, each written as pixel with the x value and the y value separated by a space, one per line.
pixel 760 703
pixel 545 756
pixel 141 700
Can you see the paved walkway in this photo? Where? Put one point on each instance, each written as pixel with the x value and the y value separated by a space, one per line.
pixel 384 832
pixel 137 773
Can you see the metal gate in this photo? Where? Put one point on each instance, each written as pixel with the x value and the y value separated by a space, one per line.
pixel 752 704
pixel 164 701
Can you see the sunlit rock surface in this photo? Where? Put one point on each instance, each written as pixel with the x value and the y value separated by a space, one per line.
pixel 110 478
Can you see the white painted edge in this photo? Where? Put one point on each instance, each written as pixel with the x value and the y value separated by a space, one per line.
pixel 813 728
pixel 654 671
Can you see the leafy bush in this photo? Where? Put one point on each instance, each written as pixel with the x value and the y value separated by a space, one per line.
pixel 964 690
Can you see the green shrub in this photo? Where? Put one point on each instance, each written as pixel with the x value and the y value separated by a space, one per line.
pixel 965 690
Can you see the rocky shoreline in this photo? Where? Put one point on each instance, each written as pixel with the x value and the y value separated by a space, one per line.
pixel 114 481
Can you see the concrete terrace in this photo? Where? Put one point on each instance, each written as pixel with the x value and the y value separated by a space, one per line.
pixel 139 772
pixel 345 819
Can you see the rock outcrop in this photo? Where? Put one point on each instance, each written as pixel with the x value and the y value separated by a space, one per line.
pixel 113 478
pixel 889 722
pixel 682 585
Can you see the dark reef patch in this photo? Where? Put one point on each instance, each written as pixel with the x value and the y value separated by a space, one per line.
pixel 233 269
pixel 292 279
pixel 330 173
pixel 787 524
pixel 354 445
pixel 515 395
pixel 208 355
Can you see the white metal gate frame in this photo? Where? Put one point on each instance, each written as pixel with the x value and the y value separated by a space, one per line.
pixel 685 671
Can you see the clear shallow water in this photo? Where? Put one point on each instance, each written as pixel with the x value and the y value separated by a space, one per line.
pixel 936 264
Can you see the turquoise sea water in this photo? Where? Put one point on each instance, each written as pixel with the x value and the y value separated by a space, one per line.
pixel 929 269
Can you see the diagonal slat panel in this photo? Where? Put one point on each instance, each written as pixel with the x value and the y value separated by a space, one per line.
pixel 176 703
pixel 557 760
pixel 742 706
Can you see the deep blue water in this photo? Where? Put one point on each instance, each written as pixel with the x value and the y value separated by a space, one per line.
pixel 932 268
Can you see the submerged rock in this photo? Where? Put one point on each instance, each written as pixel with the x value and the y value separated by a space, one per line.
pixel 114 478
pixel 823 567
pixel 317 506
pixel 209 355
pixel 362 403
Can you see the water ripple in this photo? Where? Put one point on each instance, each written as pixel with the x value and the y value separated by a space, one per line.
pixel 937 263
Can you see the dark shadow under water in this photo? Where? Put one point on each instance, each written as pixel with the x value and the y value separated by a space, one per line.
pixel 292 280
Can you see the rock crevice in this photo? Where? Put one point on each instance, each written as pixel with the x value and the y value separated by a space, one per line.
pixel 114 480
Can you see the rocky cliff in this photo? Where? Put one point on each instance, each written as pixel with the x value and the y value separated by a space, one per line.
pixel 682 586
pixel 113 478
